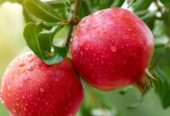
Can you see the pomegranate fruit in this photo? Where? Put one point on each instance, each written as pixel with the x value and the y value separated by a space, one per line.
pixel 112 48
pixel 32 88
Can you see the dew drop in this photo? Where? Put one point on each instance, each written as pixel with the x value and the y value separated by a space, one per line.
pixel 70 104
pixel 17 104
pixel 23 97
pixel 30 68
pixel 129 29
pixel 41 90
pixel 8 94
pixel 21 64
pixel 30 60
pixel 25 109
pixel 81 53
pixel 29 55
pixel 47 103
pixel 14 110
pixel 9 88
pixel 113 49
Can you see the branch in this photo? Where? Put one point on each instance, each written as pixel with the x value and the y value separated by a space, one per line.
pixel 73 21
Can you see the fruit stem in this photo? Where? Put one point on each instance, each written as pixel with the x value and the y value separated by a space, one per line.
pixel 73 21
pixel 146 82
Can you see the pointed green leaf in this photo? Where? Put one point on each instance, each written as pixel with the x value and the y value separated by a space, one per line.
pixel 141 5
pixel 161 71
pixel 42 11
pixel 41 42
pixel 166 2
pixel 31 32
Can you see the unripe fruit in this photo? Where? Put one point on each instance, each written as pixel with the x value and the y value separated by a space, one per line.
pixel 32 88
pixel 112 48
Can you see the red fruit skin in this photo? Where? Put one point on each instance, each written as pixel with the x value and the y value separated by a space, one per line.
pixel 112 48
pixel 32 88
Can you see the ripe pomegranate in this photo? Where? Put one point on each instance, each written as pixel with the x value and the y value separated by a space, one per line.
pixel 32 88
pixel 112 48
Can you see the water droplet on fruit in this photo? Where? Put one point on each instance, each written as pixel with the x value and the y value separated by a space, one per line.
pixel 129 29
pixel 30 60
pixel 113 49
pixel 13 110
pixel 30 68
pixel 87 47
pixel 29 55
pixel 56 79
pixel 25 109
pixel 70 104
pixel 81 53
pixel 23 97
pixel 21 64
pixel 41 90
pixel 17 104
pixel 9 88
pixel 8 94
pixel 47 103
pixel 124 61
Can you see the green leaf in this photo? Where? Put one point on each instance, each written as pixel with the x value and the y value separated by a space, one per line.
pixel 58 55
pixel 85 8
pixel 166 18
pixel 42 11
pixel 161 70
pixel 56 3
pixel 104 4
pixel 31 32
pixel 149 18
pixel 131 2
pixel 141 5
pixel 118 3
pixel 165 2
pixel 41 42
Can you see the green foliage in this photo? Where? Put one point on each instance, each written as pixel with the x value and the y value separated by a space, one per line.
pixel 41 42
pixel 42 11
pixel 161 71
pixel 166 2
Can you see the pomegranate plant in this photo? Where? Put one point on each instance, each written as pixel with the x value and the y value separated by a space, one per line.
pixel 107 43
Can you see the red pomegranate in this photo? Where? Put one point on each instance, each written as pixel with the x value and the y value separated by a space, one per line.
pixel 112 48
pixel 32 88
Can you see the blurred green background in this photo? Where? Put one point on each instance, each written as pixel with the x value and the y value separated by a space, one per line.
pixel 119 102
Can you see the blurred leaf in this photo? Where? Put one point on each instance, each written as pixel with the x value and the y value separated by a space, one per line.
pixel 165 2
pixel 84 9
pixel 56 3
pixel 41 42
pixel 28 17
pixel 118 3
pixel 166 18
pixel 104 4
pixel 149 18
pixel 141 5
pixel 2 1
pixel 18 1
pixel 161 71
pixel 131 2
pixel 42 11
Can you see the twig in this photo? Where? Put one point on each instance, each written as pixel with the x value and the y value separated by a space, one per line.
pixel 73 21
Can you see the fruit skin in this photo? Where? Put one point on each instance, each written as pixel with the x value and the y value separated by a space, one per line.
pixel 112 48
pixel 32 88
